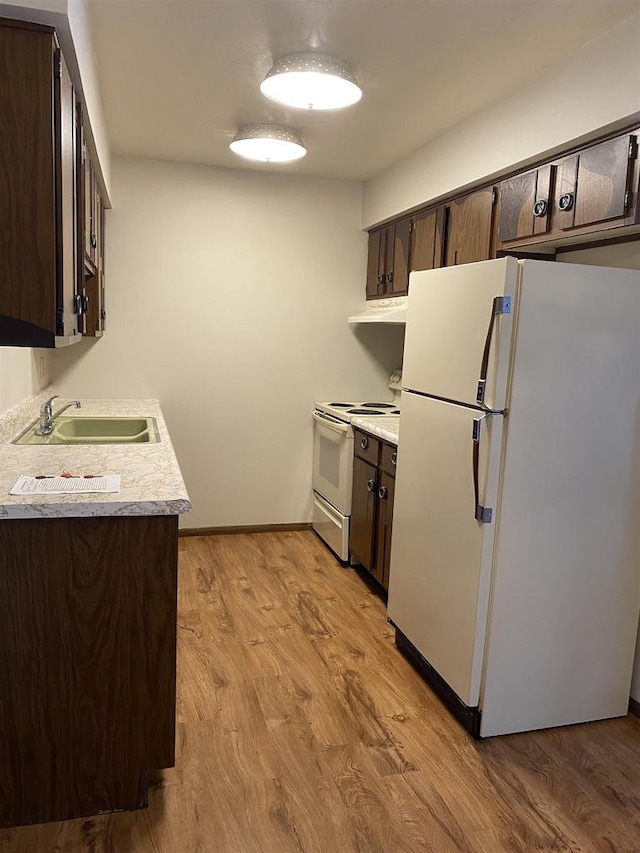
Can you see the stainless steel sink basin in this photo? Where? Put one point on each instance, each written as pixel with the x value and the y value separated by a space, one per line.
pixel 95 431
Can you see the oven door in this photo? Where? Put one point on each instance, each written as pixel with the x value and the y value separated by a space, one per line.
pixel 333 461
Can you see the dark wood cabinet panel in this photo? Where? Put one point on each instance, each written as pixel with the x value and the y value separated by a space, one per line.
pixel 399 282
pixel 603 182
pixel 470 228
pixel 375 262
pixel 372 504
pixel 524 204
pixel 28 181
pixel 49 208
pixel 591 190
pixel 363 512
pixel 564 193
pixel 87 659
pixel 384 526
pixel 366 446
pixel 427 240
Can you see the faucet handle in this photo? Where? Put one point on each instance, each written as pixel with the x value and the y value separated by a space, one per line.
pixel 49 401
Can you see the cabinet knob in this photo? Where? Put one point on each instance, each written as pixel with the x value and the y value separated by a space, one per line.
pixel 371 485
pixel 565 202
pixel 364 443
pixel 382 493
pixel 394 458
pixel 389 277
pixel 379 278
pixel 540 207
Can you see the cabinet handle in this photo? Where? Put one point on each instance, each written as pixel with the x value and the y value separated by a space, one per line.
pixel 379 278
pixel 394 458
pixel 565 202
pixel 382 493
pixel 364 443
pixel 371 485
pixel 389 277
pixel 540 207
pixel 94 241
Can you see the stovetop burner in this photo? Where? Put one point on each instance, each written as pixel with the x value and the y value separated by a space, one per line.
pixel 370 412
pixel 378 405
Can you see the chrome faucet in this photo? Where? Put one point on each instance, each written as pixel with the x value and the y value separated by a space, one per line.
pixel 47 416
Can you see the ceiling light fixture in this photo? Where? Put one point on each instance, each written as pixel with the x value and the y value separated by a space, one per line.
pixel 267 143
pixel 310 81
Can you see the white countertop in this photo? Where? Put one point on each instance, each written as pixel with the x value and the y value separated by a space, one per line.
pixel 385 428
pixel 150 478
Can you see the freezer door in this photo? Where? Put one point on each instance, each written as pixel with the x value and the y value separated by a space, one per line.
pixel 459 329
pixel 441 555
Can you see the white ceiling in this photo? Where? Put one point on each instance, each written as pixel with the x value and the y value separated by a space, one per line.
pixel 179 76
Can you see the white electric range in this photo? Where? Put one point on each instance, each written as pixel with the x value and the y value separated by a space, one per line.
pixel 333 462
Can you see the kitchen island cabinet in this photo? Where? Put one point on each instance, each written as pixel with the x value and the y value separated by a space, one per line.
pixel 88 592
pixel 372 504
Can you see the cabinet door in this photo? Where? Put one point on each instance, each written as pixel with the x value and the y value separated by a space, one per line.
pixel 397 278
pixel 375 263
pixel 363 508
pixel 426 240
pixel 524 205
pixel 470 228
pixel 565 178
pixel 66 202
pixel 384 522
pixel 604 180
pixel 29 237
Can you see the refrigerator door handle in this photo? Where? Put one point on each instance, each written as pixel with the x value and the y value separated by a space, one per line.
pixel 501 305
pixel 481 513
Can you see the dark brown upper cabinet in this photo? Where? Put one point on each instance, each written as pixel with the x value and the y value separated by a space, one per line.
pixel 525 204
pixel 586 192
pixel 469 233
pixel 388 260
pixel 39 261
pixel 91 242
pixel 412 243
pixel 427 239
pixel 602 188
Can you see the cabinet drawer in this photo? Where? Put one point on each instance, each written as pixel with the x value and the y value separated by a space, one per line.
pixel 388 458
pixel 366 446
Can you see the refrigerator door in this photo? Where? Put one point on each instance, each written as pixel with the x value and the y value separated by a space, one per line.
pixel 441 559
pixel 458 343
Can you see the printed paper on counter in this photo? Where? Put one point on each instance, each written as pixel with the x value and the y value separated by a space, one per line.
pixel 65 485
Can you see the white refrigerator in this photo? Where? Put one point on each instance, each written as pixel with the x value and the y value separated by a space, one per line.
pixel 515 563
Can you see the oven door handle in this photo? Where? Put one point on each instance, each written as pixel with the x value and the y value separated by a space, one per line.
pixel 326 420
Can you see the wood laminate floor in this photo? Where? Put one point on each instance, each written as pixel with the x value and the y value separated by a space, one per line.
pixel 302 728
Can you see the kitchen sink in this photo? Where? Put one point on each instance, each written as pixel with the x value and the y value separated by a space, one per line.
pixel 94 431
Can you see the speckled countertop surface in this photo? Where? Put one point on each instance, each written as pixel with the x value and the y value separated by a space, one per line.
pixel 150 479
pixel 385 428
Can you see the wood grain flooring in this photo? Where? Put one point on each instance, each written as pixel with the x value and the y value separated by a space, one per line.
pixel 302 728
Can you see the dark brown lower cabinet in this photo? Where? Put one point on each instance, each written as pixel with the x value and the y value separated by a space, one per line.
pixel 372 505
pixel 87 663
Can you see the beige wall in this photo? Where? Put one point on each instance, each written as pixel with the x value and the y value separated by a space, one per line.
pixel 228 293
pixel 597 86
pixel 23 373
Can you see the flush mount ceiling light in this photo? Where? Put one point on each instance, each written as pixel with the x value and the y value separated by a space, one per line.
pixel 267 143
pixel 310 81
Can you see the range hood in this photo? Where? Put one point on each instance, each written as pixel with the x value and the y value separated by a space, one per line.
pixel 389 310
